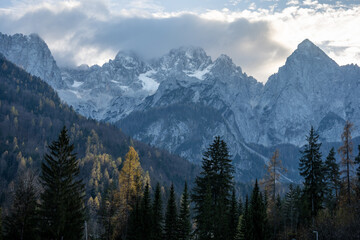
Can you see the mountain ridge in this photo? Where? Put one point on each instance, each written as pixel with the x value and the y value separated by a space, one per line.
pixel 156 101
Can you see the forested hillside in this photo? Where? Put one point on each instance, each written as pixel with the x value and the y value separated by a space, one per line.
pixel 31 117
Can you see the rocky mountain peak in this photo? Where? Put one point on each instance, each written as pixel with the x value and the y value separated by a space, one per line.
pixel 185 59
pixel 308 54
pixel 32 54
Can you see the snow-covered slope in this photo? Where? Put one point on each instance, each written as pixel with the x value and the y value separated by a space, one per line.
pixel 32 54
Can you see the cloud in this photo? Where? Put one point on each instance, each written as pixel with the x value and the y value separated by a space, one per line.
pixel 258 40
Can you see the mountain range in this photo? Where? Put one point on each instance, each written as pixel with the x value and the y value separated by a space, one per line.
pixel 181 100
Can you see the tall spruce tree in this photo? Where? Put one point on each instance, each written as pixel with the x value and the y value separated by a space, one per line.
pixel 171 217
pixel 1 232
pixel 157 217
pixel 217 175
pixel 357 161
pixel 312 169
pixel 134 223
pixel 184 223
pixel 346 157
pixel 62 205
pixel 332 179
pixel 243 228
pixel 146 214
pixel 233 215
pixel 258 219
pixel 22 223
pixel 290 209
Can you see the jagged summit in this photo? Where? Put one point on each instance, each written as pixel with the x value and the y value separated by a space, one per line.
pixel 185 59
pixel 308 56
pixel 127 54
pixel 32 53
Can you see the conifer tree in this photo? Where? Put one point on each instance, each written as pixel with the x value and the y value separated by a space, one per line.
pixel 216 175
pixel 233 215
pixel 171 218
pixel 23 218
pixel 239 235
pixel 240 207
pixel 357 161
pixel 131 182
pixel 312 169
pixel 107 213
pixel 1 232
pixel 61 209
pixel 346 157
pixel 274 170
pixel 332 176
pixel 184 229
pixel 146 214
pixel 245 226
pixel 291 211
pixel 157 221
pixel 134 223
pixel 258 219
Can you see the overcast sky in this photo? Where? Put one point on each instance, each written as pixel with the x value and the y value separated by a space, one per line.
pixel 257 35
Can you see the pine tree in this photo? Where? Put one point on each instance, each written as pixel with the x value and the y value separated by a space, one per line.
pixel 332 176
pixel 184 229
pixel 291 209
pixel 239 229
pixel 216 175
pixel 171 218
pixel 107 213
pixel 61 209
pixel 240 207
pixel 311 168
pixel 357 161
pixel 1 232
pixel 233 215
pixel 131 182
pixel 157 231
pixel 23 218
pixel 134 220
pixel 146 214
pixel 274 171
pixel 258 219
pixel 346 154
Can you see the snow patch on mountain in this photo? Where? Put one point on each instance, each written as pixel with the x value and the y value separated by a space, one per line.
pixel 149 84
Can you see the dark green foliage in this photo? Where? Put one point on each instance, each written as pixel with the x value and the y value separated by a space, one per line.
pixel 233 216
pixel 171 221
pixel 134 226
pixel 61 209
pixel 357 161
pixel 217 176
pixel 23 218
pixel 184 223
pixel 332 180
pixel 1 232
pixel 258 219
pixel 240 207
pixel 291 209
pixel 146 215
pixel 157 217
pixel 312 169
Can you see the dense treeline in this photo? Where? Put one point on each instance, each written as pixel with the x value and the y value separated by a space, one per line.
pixel 55 205
pixel 117 188
pixel 32 115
